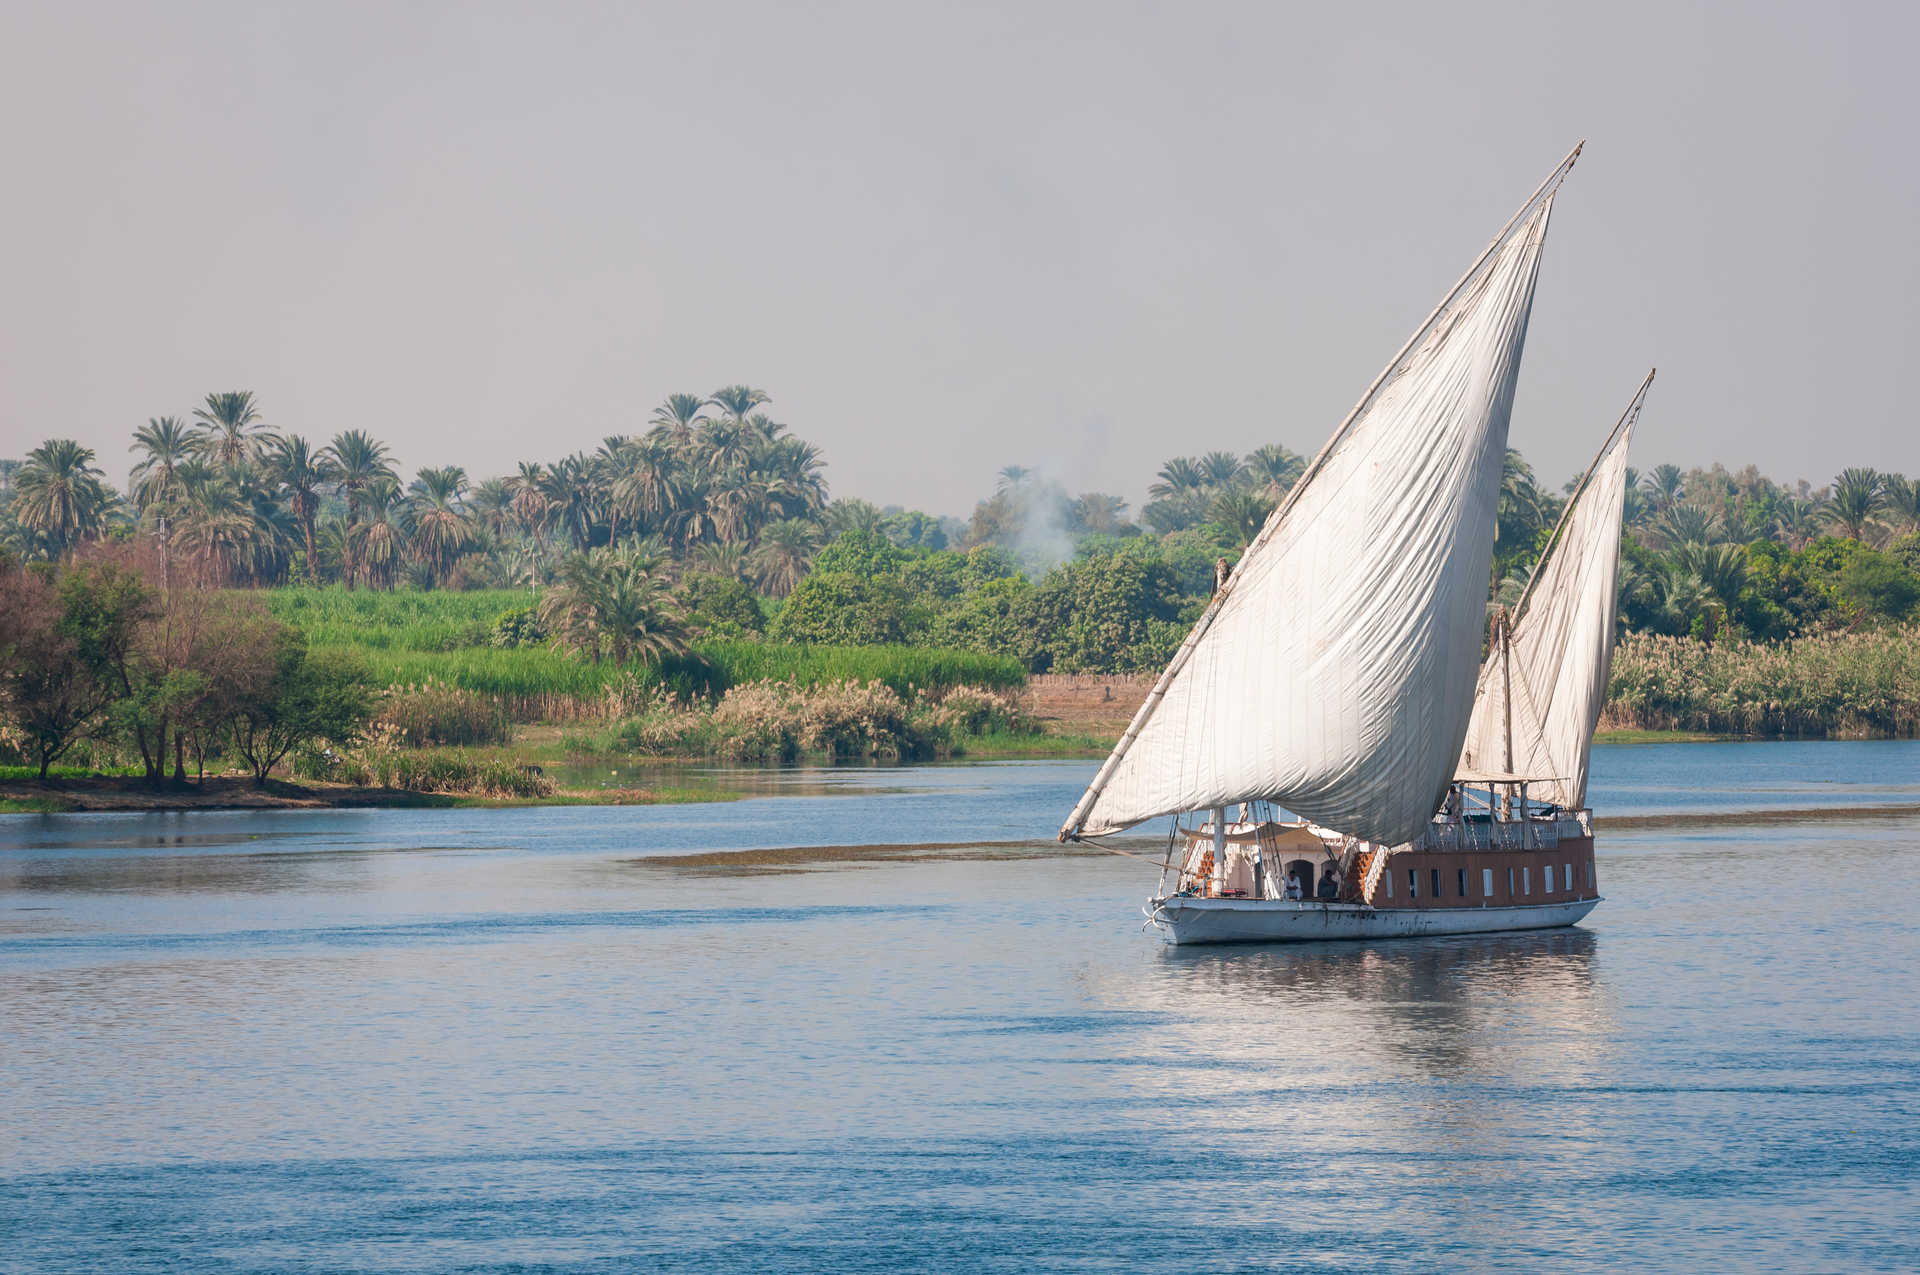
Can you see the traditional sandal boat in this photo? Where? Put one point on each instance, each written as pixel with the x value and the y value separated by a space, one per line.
pixel 1385 781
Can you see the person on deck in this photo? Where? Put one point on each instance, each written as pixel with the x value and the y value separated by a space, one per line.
pixel 1293 887
pixel 1329 888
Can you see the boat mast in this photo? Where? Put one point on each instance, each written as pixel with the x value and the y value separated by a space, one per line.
pixel 1503 630
pixel 1075 821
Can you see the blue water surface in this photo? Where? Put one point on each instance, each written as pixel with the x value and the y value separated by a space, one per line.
pixel 499 1041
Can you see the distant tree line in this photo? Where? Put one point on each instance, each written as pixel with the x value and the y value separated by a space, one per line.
pixel 715 519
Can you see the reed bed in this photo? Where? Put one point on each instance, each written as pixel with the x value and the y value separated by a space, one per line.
pixel 1846 686
pixel 539 684
pixel 769 721
pixel 434 713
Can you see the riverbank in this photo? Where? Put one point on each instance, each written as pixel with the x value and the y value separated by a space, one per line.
pixel 106 793
pixel 567 777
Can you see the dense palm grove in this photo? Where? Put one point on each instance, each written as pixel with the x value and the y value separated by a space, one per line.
pixel 716 521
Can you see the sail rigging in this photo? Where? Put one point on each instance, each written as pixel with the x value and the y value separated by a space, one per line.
pixel 1545 678
pixel 1333 671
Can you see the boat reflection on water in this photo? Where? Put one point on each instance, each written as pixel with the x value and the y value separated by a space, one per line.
pixel 1300 1018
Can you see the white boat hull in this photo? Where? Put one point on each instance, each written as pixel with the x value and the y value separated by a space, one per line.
pixel 1186 920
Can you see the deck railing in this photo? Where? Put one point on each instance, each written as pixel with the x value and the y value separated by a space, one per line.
pixel 1505 834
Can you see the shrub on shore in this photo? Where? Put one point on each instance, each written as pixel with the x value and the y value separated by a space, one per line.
pixel 444 772
pixel 1848 685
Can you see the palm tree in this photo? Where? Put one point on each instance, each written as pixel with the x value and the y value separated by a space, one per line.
pixel 1099 513
pixel 529 497
pixel 1242 512
pixel 677 416
pixel 492 505
pixel 738 505
pixel 568 489
pixel 724 443
pixel 1678 525
pixel 1664 485
pixel 59 493
pixel 852 515
pixel 1682 596
pixel 1858 495
pixel 1176 478
pixel 1636 507
pixel 1720 569
pixel 727 561
pixel 795 467
pixel 1902 503
pixel 156 486
pixel 231 432
pixel 218 530
pixel 300 472
pixel 694 519
pixel 785 554
pixel 614 605
pixel 441 529
pixel 1219 470
pixel 166 445
pixel 1797 521
pixel 1523 509
pixel 378 541
pixel 644 489
pixel 1275 469
pixel 737 400
pixel 765 428
pixel 359 464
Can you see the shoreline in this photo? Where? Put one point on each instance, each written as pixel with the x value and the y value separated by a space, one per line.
pixel 96 793
pixel 103 794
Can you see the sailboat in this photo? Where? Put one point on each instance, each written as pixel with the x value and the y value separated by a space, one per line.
pixel 1327 691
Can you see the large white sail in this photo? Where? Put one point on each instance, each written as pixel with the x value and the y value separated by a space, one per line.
pixel 1545 677
pixel 1333 673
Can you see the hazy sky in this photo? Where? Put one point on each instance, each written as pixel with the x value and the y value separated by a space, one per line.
pixel 951 238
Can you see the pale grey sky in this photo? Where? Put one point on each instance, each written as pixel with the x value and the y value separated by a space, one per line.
pixel 951 238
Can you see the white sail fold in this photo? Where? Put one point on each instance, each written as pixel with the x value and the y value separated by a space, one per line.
pixel 1334 674
pixel 1553 660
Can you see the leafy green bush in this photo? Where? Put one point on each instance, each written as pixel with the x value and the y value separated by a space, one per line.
pixel 519 626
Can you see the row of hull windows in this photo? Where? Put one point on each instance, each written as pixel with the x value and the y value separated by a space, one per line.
pixel 1515 888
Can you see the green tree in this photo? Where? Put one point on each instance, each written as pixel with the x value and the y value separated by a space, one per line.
pixel 865 553
pixel 1098 613
pixel 1880 585
pixel 842 608
pixel 69 635
pixel 292 698
pixel 721 606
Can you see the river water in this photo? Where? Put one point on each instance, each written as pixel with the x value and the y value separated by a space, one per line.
pixel 528 1040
